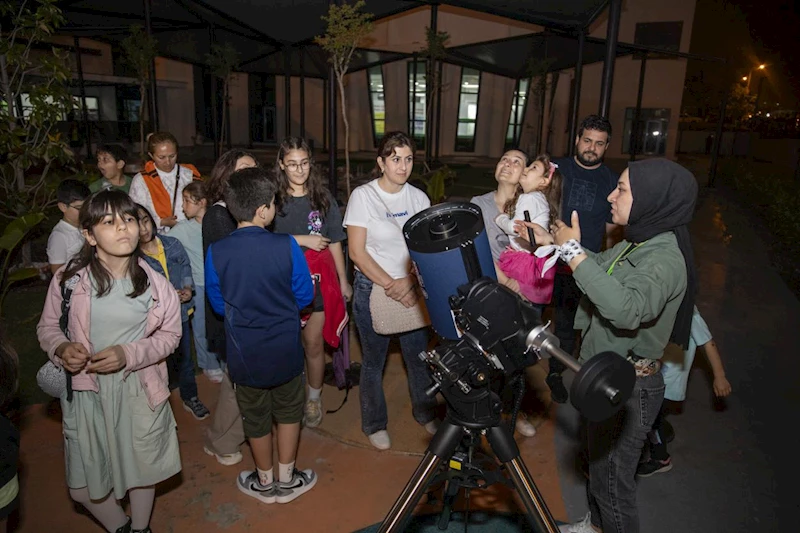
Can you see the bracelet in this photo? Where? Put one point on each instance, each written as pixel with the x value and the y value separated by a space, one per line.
pixel 570 250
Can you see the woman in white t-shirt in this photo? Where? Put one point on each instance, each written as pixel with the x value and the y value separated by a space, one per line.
pixel 375 213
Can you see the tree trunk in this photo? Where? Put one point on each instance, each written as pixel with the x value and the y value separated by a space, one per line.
pixel 340 79
pixel 142 108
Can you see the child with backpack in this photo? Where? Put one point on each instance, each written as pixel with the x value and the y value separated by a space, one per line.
pixel 123 322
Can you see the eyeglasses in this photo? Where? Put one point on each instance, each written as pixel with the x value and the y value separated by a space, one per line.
pixel 293 167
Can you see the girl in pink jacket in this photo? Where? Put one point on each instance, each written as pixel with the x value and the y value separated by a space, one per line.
pixel 124 320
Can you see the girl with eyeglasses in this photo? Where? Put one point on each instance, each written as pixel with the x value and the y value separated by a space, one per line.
pixel 309 212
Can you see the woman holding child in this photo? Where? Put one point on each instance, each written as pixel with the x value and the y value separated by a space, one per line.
pixel 375 215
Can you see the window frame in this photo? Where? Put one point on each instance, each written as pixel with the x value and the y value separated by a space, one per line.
pixel 663 114
pixel 373 121
pixel 460 145
pixel 412 72
pixel 514 143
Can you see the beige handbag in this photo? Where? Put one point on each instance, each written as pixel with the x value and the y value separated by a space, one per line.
pixel 390 317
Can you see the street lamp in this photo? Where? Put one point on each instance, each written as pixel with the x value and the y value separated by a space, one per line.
pixel 749 77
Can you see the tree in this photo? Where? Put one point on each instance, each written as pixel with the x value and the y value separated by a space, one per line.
pixel 222 61
pixel 741 104
pixel 35 99
pixel 140 50
pixel 346 27
pixel 537 69
pixel 434 51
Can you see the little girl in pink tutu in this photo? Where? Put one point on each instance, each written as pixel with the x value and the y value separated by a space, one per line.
pixel 538 193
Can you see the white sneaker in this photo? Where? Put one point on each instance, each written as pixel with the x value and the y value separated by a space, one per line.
pixel 584 526
pixel 432 426
pixel 214 376
pixel 380 439
pixel 312 413
pixel 302 482
pixel 225 460
pixel 524 427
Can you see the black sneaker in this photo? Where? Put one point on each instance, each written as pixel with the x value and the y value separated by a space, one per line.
pixel 302 482
pixel 654 466
pixel 558 392
pixel 196 407
pixel 249 484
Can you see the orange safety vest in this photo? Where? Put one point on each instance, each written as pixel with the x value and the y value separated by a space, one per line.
pixel 164 206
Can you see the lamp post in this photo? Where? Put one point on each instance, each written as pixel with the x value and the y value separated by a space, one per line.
pixel 762 66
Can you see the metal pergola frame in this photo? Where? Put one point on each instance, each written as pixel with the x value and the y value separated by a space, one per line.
pixel 295 54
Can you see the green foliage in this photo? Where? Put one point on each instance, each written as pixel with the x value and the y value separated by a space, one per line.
pixel 222 61
pixel 346 26
pixel 435 183
pixel 435 44
pixel 34 99
pixel 13 235
pixel 741 104
pixel 139 51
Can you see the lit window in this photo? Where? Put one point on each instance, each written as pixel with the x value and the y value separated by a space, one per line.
pixel 417 110
pixel 648 136
pixel 377 102
pixel 469 90
pixel 517 117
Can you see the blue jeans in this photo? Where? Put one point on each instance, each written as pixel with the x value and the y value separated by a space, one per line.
pixel 374 349
pixel 206 359
pixel 615 446
pixel 186 379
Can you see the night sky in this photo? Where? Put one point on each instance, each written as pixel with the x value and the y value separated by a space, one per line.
pixel 749 32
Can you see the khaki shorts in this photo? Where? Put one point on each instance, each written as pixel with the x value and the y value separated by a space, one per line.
pixel 283 403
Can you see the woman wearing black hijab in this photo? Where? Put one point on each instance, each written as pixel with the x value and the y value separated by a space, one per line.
pixel 639 296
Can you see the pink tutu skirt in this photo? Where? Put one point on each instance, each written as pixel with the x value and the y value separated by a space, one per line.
pixel 526 269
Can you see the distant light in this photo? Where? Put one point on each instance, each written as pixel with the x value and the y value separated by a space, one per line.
pixel 762 66
pixel 744 78
pixel 656 133
pixel 767 115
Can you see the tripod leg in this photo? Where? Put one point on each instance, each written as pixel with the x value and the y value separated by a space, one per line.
pixel 442 446
pixel 507 452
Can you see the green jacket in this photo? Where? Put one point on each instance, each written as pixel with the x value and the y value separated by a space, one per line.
pixel 634 308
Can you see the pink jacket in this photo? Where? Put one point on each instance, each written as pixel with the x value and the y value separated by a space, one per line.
pixel 145 357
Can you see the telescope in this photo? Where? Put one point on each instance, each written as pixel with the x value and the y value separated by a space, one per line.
pixel 489 335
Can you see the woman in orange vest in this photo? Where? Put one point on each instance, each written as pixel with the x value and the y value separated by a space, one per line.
pixel 159 186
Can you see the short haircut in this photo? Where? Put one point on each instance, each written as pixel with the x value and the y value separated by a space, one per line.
pixel 595 122
pixel 114 150
pixel 196 190
pixel 72 191
pixel 247 190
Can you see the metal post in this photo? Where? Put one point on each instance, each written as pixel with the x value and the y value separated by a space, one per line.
pixel 287 90
pixel 612 34
pixel 576 96
pixel 153 95
pixel 439 110
pixel 712 174
pixel 85 112
pixel 758 94
pixel 215 126
pixel 332 176
pixel 413 110
pixel 302 94
pixel 637 114
pixel 429 78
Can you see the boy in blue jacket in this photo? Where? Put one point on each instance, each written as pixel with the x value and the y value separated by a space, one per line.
pixel 259 281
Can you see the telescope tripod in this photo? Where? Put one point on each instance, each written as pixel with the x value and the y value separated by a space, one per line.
pixel 440 452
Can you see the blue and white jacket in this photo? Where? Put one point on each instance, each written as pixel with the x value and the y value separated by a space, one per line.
pixel 259 281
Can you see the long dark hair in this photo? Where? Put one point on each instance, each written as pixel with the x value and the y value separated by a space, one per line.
pixel 317 195
pixel 391 142
pixel 142 210
pixel 552 192
pixel 94 210
pixel 224 167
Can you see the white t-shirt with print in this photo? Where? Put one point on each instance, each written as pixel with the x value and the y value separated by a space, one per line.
pixel 383 221
pixel 64 243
